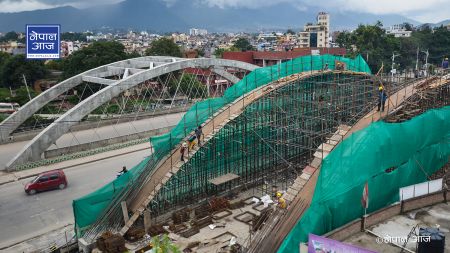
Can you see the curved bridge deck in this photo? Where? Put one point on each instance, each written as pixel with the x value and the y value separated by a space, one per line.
pixel 283 221
pixel 170 165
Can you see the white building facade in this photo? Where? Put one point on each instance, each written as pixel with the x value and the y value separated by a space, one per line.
pixel 316 35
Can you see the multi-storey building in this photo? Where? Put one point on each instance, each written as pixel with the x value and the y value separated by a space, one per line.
pixel 398 31
pixel 316 35
pixel 197 32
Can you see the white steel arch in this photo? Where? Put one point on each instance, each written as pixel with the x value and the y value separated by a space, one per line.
pixel 135 75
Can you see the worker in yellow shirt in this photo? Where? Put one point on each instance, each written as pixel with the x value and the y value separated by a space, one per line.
pixel 281 201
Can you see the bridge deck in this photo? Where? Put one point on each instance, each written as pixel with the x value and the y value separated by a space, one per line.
pixel 279 227
pixel 171 165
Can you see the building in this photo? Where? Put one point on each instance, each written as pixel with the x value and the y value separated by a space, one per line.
pixel 398 31
pixel 197 32
pixel 12 47
pixel 316 35
pixel 66 48
pixel 269 58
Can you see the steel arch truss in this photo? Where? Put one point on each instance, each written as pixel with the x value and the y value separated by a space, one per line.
pixel 134 72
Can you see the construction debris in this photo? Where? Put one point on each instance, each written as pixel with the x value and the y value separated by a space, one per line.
pixel 156 230
pixel 111 243
pixel 134 234
pixel 218 204
pixel 181 216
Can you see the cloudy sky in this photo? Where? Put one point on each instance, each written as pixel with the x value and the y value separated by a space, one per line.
pixel 420 10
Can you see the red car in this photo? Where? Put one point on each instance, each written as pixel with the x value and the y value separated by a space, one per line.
pixel 46 181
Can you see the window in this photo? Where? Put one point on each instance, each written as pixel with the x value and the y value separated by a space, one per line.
pixel 43 179
pixel 54 177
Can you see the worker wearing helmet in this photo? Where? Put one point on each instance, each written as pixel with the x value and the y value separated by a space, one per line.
pixel 445 63
pixel 382 97
pixel 282 203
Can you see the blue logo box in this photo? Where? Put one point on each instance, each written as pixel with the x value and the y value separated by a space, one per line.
pixel 43 41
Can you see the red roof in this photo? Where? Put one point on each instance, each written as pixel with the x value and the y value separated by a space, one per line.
pixel 197 71
pixel 250 56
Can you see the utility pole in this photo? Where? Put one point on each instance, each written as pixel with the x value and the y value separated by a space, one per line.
pixel 417 59
pixel 392 67
pixel 426 62
pixel 26 86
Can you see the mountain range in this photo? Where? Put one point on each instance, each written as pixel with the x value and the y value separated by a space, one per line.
pixel 157 16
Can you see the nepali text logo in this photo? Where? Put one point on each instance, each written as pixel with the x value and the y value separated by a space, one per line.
pixel 43 41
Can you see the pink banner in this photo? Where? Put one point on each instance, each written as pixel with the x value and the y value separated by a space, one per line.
pixel 319 244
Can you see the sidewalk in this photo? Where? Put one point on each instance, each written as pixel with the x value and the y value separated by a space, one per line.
pixel 8 177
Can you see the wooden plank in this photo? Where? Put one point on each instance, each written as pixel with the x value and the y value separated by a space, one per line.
pixel 223 179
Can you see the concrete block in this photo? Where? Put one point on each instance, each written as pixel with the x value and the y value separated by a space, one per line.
pixel 309 170
pixel 305 176
pixel 321 154
pixel 316 162
pixel 326 147
pixel 292 192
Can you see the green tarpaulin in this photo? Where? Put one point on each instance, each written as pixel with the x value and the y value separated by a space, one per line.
pixel 90 207
pixel 415 149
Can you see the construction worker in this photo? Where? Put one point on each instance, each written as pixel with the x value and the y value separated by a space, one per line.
pixel 326 67
pixel 191 142
pixel 183 150
pixel 281 200
pixel 445 63
pixel 282 203
pixel 123 171
pixel 382 97
pixel 198 134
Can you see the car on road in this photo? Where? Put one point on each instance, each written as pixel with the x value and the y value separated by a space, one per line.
pixel 55 179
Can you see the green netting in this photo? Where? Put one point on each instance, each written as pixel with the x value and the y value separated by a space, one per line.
pixel 203 110
pixel 90 207
pixel 413 148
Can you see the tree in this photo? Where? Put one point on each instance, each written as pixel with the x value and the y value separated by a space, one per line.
pixel 21 96
pixel 71 36
pixel 243 45
pixel 162 244
pixel 54 64
pixel 95 55
pixel 14 67
pixel 219 52
pixel 188 85
pixel 408 26
pixel 290 31
pixel 164 47
pixel 3 58
pixel 9 36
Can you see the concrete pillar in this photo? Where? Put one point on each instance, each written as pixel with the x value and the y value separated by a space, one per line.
pixel 125 211
pixel 147 221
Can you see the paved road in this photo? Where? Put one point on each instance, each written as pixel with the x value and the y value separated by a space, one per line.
pixel 23 216
pixel 8 151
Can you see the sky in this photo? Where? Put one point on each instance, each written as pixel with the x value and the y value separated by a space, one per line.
pixel 426 11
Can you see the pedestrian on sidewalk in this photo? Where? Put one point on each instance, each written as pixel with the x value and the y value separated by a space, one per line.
pixel 183 150
pixel 382 97
pixel 199 134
